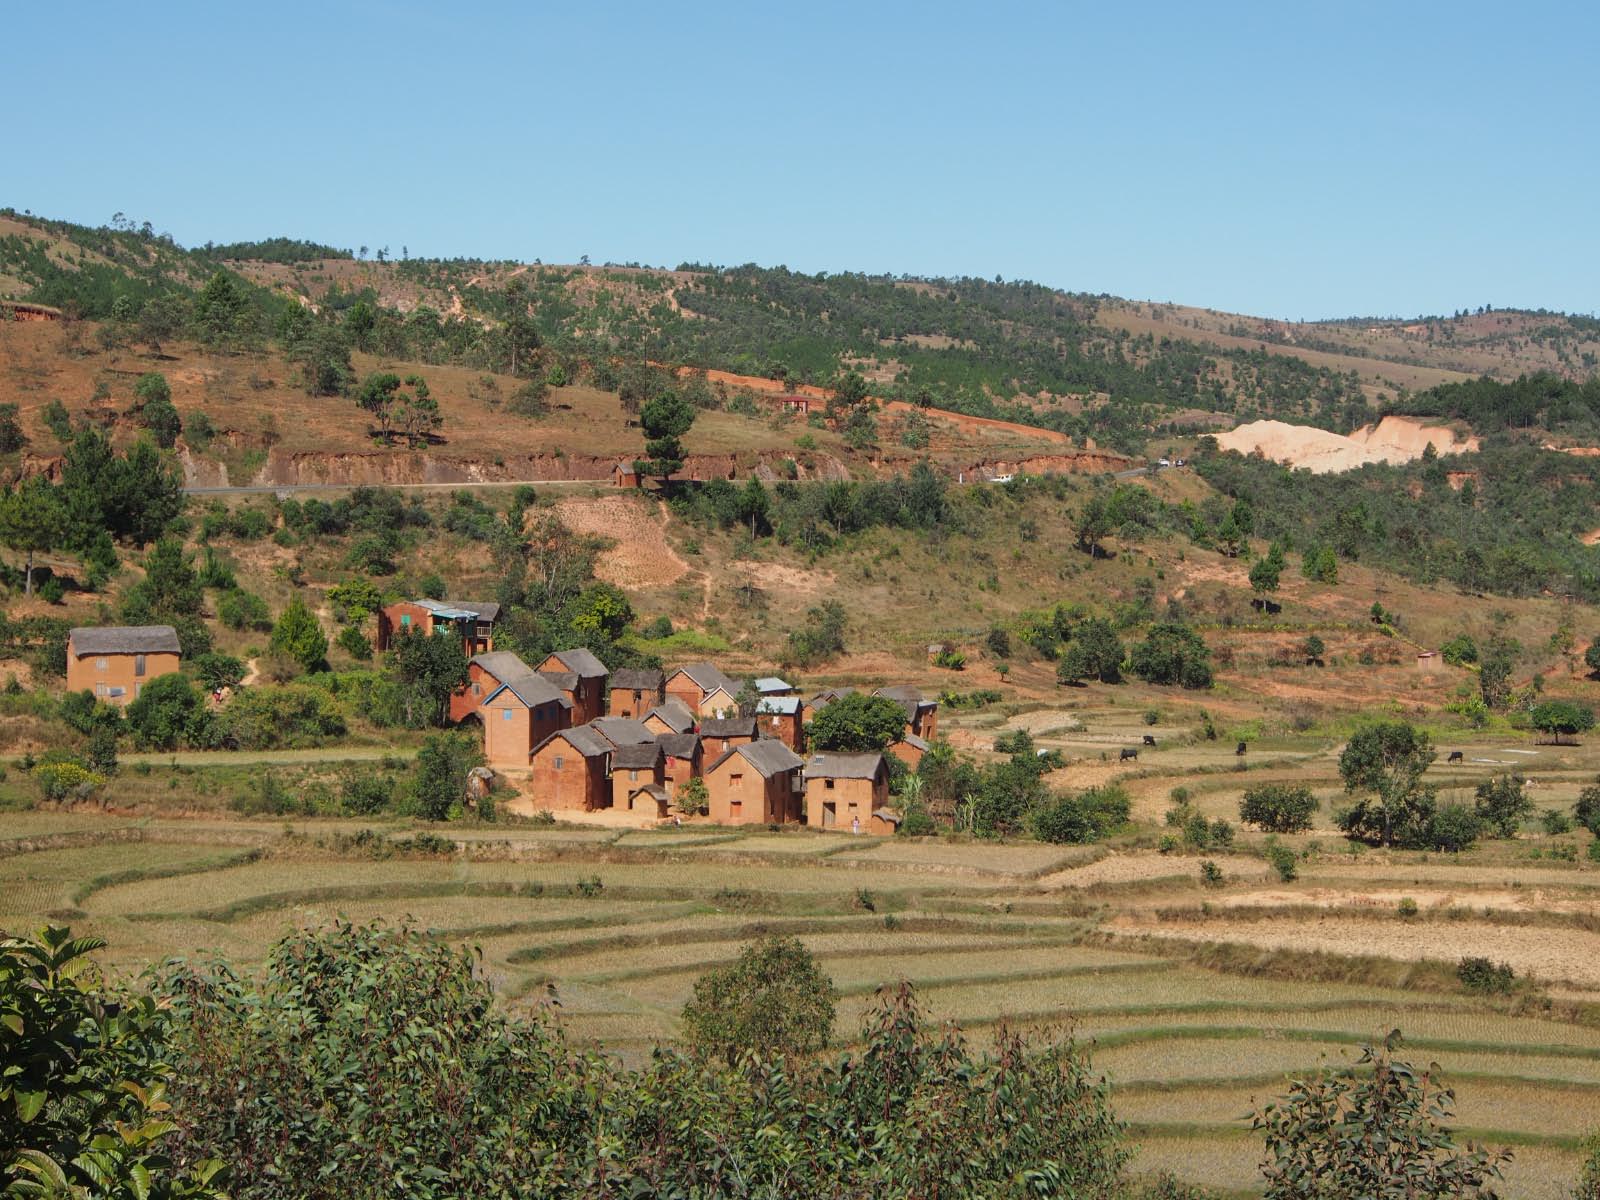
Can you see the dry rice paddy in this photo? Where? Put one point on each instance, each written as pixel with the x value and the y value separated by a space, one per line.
pixel 614 927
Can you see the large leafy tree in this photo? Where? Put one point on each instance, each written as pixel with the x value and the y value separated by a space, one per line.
pixel 1172 653
pixel 1561 718
pixel 858 723
pixel 32 521
pixel 1095 652
pixel 1385 763
pixel 428 669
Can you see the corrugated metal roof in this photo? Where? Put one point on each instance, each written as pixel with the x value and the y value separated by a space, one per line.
pixel 788 705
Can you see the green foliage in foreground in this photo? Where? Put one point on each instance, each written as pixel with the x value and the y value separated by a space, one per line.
pixel 1377 1135
pixel 372 1062
pixel 83 1110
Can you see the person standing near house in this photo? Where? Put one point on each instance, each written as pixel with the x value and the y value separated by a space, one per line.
pixel 855 825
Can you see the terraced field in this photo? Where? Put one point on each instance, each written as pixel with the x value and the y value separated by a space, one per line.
pixel 614 928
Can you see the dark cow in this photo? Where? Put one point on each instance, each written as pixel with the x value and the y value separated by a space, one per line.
pixel 1455 756
pixel 1127 753
pixel 1149 739
pixel 1239 749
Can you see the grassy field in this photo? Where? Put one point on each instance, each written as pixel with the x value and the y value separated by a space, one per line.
pixel 614 927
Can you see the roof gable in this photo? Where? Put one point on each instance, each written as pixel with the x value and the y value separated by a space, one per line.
pixel 707 677
pixel 769 757
pixel 582 739
pixel 673 714
pixel 581 663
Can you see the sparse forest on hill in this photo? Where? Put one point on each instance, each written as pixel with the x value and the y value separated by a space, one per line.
pixel 1012 350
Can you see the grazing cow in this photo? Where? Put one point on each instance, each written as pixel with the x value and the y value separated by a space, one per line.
pixel 1127 753
pixel 1149 739
pixel 1455 756
pixel 1239 749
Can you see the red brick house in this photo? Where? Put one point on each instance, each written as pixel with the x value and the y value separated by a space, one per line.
pixel 721 734
pixel 755 783
pixel 521 712
pixel 582 677
pixel 683 759
pixel 570 773
pixel 670 716
pixel 844 790
pixel 909 750
pixel 703 689
pixel 922 714
pixel 485 674
pixel 634 692
pixel 623 475
pixel 634 768
pixel 779 717
pixel 472 620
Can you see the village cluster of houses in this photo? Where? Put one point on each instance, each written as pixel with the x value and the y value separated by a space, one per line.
pixel 574 736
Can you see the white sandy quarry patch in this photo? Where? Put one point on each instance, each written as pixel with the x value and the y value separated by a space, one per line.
pixel 1391 440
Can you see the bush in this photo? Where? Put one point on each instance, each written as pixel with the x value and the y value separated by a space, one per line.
pixel 292 717
pixel 774 1000
pixel 916 821
pixel 167 713
pixel 439 787
pixel 1407 907
pixel 1278 808
pixel 298 635
pixel 1481 975
pixel 1453 828
pixel 67 779
pixel 1085 817
pixel 218 670
pixel 363 793
pixel 1555 822
pixel 1501 804
pixel 354 643
pixel 241 610
pixel 1211 875
pixel 1377 1134
pixel 950 660
pixel 1587 810
pixel 1283 860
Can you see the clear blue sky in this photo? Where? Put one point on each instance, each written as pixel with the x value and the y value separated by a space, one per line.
pixel 1282 159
